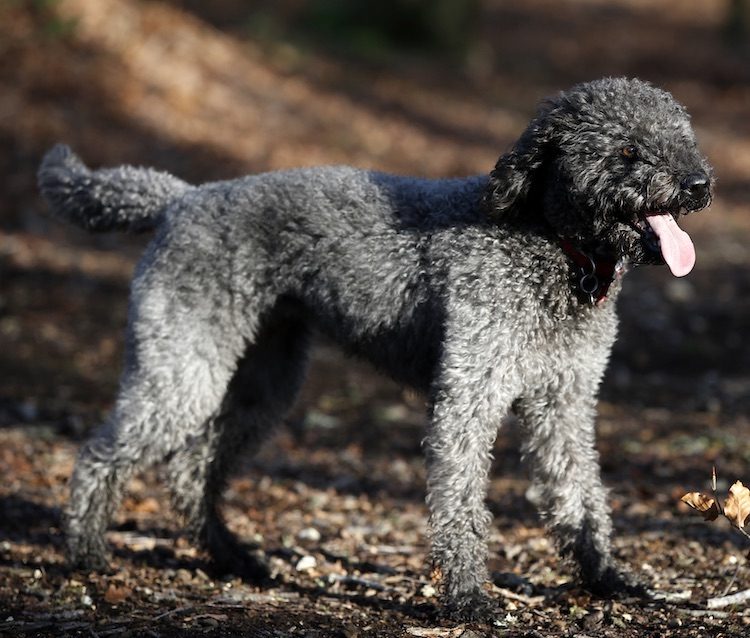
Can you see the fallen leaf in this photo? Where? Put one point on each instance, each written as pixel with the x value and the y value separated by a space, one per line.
pixel 148 505
pixel 737 505
pixel 115 595
pixel 706 505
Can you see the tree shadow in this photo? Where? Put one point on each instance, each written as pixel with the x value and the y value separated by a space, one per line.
pixel 30 522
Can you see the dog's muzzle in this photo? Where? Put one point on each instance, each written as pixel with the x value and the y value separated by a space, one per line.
pixel 695 191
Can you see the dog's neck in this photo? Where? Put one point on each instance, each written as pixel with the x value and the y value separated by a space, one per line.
pixel 593 274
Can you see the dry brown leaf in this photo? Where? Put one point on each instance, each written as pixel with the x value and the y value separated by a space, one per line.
pixel 148 505
pixel 737 505
pixel 115 595
pixel 706 505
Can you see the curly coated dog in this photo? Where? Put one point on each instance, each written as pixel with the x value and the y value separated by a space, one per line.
pixel 489 294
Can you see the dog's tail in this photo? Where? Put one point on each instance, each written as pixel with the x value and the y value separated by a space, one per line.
pixel 122 198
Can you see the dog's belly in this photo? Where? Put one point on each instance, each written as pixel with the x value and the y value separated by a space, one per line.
pixel 403 345
pixel 370 293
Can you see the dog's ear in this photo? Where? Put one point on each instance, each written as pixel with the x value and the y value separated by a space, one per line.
pixel 512 179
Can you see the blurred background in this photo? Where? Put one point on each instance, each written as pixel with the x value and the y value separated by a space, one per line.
pixel 212 90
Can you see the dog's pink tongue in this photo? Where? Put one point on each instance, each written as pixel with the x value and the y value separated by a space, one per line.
pixel 676 246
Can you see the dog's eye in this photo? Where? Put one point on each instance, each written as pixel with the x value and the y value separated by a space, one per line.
pixel 630 152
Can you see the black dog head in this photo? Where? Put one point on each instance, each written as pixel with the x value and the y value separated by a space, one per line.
pixel 610 165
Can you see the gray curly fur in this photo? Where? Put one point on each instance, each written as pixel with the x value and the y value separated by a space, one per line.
pixel 122 198
pixel 456 287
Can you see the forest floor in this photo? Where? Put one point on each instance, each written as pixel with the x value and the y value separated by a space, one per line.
pixel 336 498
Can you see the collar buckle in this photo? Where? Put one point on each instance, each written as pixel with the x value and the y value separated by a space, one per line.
pixel 595 277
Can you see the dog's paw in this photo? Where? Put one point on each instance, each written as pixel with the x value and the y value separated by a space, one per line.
pixel 475 606
pixel 87 555
pixel 249 564
pixel 228 555
pixel 613 583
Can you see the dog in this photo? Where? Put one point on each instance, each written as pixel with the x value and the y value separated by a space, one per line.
pixel 489 294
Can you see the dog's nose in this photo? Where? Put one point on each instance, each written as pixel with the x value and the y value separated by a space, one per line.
pixel 696 186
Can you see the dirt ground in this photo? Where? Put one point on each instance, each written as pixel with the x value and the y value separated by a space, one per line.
pixel 335 499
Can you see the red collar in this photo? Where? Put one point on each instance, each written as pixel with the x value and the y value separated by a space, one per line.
pixel 595 275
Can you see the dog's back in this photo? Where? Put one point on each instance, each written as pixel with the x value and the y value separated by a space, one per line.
pixel 351 247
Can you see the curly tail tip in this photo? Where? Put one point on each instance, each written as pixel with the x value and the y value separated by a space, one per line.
pixel 58 168
pixel 121 198
pixel 63 181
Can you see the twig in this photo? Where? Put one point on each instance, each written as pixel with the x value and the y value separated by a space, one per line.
pixel 733 579
pixel 172 612
pixel 137 542
pixel 701 613
pixel 511 595
pixel 726 601
pixel 673 597
pixel 357 582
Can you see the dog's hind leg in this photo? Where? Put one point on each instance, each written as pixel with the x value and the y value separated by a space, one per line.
pixel 261 392
pixel 101 470
pixel 139 433
pixel 182 350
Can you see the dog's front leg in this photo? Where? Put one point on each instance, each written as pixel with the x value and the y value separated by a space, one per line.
pixel 559 443
pixel 458 448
